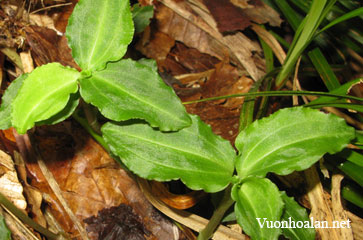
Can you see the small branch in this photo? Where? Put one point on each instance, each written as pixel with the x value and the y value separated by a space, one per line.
pixel 49 7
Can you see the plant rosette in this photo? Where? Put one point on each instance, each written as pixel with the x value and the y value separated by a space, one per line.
pixel 151 132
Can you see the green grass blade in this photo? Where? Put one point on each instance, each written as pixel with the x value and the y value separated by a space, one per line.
pixel 353 194
pixel 292 17
pixel 323 68
pixel 354 13
pixel 269 56
pixel 338 104
pixel 278 93
pixel 352 156
pixel 247 110
pixel 353 171
pixel 311 21
pixel 282 41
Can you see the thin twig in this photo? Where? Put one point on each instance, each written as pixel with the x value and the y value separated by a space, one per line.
pixel 49 7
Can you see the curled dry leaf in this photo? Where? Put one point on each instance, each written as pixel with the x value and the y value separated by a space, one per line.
pixel 10 186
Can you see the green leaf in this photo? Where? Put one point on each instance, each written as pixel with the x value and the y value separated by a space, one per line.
pixel 201 159
pixel 303 36
pixel 141 16
pixel 291 139
pixel 44 93
pixel 151 63
pixel 5 233
pixel 99 32
pixel 7 99
pixel 127 90
pixel 63 114
pixel 258 202
pixel 294 213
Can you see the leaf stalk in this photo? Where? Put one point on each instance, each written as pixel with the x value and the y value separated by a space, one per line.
pixel 218 214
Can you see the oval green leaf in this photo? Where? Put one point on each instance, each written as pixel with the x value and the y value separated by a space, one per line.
pixel 65 113
pixel 294 213
pixel 44 93
pixel 99 32
pixel 7 99
pixel 258 202
pixel 127 90
pixel 201 159
pixel 292 139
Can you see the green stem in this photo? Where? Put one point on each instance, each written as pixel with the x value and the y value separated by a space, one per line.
pixel 25 219
pixel 218 214
pixel 90 130
pixel 277 93
pixel 91 117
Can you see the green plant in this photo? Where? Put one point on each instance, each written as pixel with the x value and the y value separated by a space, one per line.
pixel 164 142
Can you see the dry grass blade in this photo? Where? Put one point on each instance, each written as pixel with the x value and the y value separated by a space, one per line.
pixel 271 42
pixel 17 228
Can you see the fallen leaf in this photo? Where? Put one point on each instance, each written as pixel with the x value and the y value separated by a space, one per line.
pixel 47 46
pixel 156 46
pixel 229 18
pixel 117 223
pixel 188 22
pixel 89 179
pixel 10 186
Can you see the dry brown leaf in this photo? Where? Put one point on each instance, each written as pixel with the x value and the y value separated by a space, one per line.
pixel 190 23
pixel 89 180
pixel 259 12
pixel 229 18
pixel 47 46
pixel 157 46
pixel 42 20
pixel 241 3
pixel 33 196
pixel 10 186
